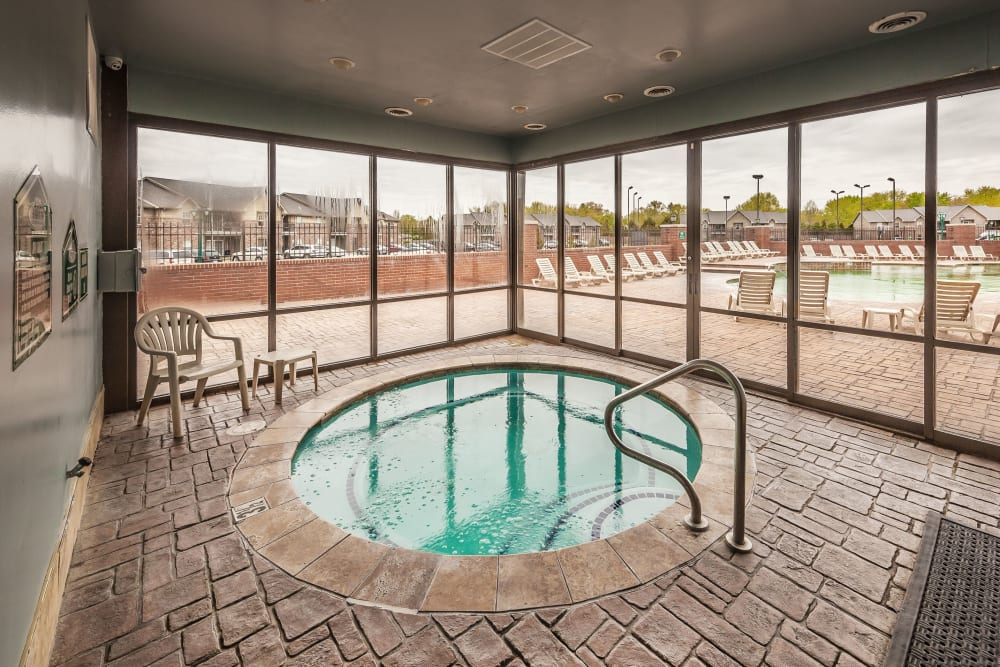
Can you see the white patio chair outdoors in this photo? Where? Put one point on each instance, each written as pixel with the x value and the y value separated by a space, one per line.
pixel 627 274
pixel 954 299
pixel 809 251
pixel 548 277
pixel 850 254
pixel 886 253
pixel 755 293
pixel 171 334
pixel 708 253
pixel 634 266
pixel 907 254
pixel 747 250
pixel 649 267
pixel 737 250
pixel 835 251
pixel 574 275
pixel 978 252
pixel 960 253
pixel 764 253
pixel 666 263
pixel 597 269
pixel 814 290
pixel 720 250
pixel 872 252
pixel 921 251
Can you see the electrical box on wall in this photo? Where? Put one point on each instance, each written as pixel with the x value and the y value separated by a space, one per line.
pixel 119 271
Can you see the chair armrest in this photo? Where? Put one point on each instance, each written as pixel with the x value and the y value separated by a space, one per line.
pixel 236 340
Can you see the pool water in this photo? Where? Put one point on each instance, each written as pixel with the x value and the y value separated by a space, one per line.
pixel 492 462
pixel 894 283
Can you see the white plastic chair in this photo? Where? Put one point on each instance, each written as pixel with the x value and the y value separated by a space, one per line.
pixel 170 334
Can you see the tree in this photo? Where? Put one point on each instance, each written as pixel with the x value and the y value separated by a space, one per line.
pixel 768 202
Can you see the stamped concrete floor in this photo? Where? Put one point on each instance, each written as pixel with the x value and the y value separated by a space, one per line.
pixel 160 575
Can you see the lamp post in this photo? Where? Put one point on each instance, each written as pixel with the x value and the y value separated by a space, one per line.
pixel 637 220
pixel 629 217
pixel 635 205
pixel 895 223
pixel 837 193
pixel 861 212
pixel 757 178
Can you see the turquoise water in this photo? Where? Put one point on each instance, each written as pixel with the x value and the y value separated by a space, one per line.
pixel 894 283
pixel 494 462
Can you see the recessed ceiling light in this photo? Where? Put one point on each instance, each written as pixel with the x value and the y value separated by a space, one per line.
pixel 424 101
pixel 614 98
pixel 535 127
pixel 399 112
pixel 341 63
pixel 658 91
pixel 519 108
pixel 668 55
pixel 896 22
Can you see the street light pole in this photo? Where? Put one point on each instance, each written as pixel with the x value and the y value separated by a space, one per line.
pixel 725 216
pixel 837 193
pixel 895 223
pixel 861 212
pixel 635 206
pixel 757 178
pixel 637 219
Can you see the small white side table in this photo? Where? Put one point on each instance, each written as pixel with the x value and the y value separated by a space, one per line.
pixel 278 360
pixel 868 317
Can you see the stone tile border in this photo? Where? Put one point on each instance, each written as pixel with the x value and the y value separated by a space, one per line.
pixel 295 539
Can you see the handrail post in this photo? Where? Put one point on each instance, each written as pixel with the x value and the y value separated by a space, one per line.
pixel 736 538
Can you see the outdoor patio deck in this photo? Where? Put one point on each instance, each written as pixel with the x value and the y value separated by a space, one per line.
pixel 160 574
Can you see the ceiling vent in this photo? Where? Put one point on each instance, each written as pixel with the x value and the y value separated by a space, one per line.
pixel 896 22
pixel 536 44
pixel 398 112
pixel 658 91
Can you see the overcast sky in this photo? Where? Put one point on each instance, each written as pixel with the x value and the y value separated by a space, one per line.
pixel 836 153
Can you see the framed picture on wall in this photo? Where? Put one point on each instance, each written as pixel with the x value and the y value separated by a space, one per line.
pixel 71 274
pixel 32 267
pixel 93 71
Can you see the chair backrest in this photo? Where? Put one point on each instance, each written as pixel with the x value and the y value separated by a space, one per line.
pixel 633 263
pixel 849 252
pixel 921 251
pixel 756 289
pixel 596 267
pixel 718 248
pixel 661 258
pixel 954 299
pixel 546 269
pixel 836 251
pixel 570 268
pixel 646 262
pixel 171 329
pixel 610 259
pixel 885 252
pixel 753 245
pixel 960 251
pixel 809 250
pixel 977 251
pixel 736 248
pixel 905 251
pixel 871 251
pixel 814 287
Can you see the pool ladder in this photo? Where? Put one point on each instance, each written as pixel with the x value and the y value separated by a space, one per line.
pixel 735 538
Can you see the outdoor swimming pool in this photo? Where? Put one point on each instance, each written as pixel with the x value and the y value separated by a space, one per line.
pixel 492 462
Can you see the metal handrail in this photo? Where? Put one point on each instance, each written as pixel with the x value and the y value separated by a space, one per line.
pixel 735 538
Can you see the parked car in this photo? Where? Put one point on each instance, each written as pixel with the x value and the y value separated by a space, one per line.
pixel 185 256
pixel 252 254
pixel 382 250
pixel 208 255
pixel 304 250
pixel 415 249
pixel 989 235
pixel 486 246
pixel 160 257
pixel 394 248
pixel 550 245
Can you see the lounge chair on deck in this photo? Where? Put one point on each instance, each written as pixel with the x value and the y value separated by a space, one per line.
pixel 978 252
pixel 597 269
pixel 764 253
pixel 814 289
pixel 907 254
pixel 655 269
pixel 753 252
pixel 710 254
pixel 921 251
pixel 886 253
pixel 872 252
pixel 808 251
pixel 728 254
pixel 954 299
pixel 755 293
pixel 850 254
pixel 667 264
pixel 737 249
pixel 627 274
pixel 548 277
pixel 960 253
pixel 573 274
pixel 635 267
pixel 836 252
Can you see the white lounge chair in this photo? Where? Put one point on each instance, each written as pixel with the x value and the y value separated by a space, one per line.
pixel 835 251
pixel 727 254
pixel 960 253
pixel 907 254
pixel 709 253
pixel 921 251
pixel 872 252
pixel 978 252
pixel 667 264
pixel 655 269
pixel 764 253
pixel 737 249
pixel 574 275
pixel 886 253
pixel 170 335
pixel 747 250
pixel 755 293
pixel 954 299
pixel 809 251
pixel 598 269
pixel 548 277
pixel 850 254
pixel 627 274
pixel 635 267
pixel 814 289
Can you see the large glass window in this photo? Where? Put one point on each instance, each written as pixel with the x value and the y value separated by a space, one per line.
pixel 589 251
pixel 538 239
pixel 743 269
pixel 202 201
